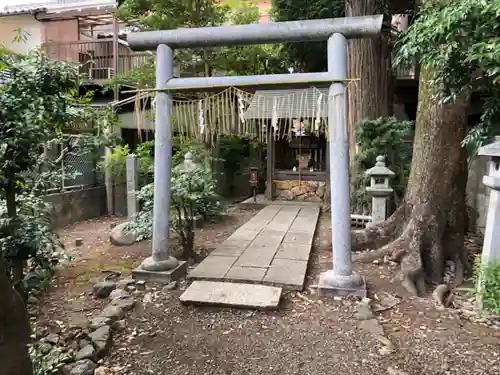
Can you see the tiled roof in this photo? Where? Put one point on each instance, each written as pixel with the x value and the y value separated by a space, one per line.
pixel 15 11
pixel 54 6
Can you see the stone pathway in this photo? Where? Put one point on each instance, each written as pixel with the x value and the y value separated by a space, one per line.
pixel 272 248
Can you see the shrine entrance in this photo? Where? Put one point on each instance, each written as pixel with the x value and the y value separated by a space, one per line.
pixel 297 142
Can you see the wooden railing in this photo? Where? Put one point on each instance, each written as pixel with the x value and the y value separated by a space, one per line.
pixel 96 57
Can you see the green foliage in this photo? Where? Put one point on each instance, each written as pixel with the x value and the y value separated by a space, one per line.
pixel 487 281
pixel 307 57
pixel 37 102
pixel 458 42
pixel 115 163
pixel 169 14
pixel 193 193
pixel 388 137
pixel 236 155
pixel 33 240
pixel 48 363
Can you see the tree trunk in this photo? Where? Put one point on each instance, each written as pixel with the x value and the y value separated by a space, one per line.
pixel 429 227
pixel 370 63
pixel 14 330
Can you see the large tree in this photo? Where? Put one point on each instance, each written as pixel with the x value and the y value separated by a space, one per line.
pixel 458 47
pixel 370 62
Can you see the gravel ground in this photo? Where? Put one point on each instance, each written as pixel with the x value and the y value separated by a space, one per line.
pixel 306 336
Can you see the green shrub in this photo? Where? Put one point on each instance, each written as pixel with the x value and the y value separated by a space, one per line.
pixel 193 192
pixel 388 137
pixel 33 241
pixel 487 281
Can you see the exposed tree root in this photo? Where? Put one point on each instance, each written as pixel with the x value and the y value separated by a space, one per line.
pixel 380 234
pixel 440 295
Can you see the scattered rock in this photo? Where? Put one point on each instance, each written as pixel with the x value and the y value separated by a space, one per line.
pixel 385 302
pixel 102 370
pixel 87 352
pixel 112 312
pixel 99 322
pixel 83 367
pixel 52 338
pixel 140 285
pixel 363 312
pixel 32 300
pixel 83 343
pixel 372 326
pixel 148 298
pixel 119 325
pixel 119 294
pixel 103 288
pixel 123 303
pixel 78 322
pixel 377 262
pixel 124 283
pixel 119 237
pixel 101 339
pixel 394 371
pixel 169 287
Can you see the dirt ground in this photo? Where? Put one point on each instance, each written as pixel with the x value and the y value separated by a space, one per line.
pixel 307 335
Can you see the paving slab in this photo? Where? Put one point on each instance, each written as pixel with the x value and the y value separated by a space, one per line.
pixel 252 274
pixel 272 248
pixel 299 238
pixel 287 273
pixel 232 294
pixel 257 257
pixel 212 267
pixel 244 235
pixel 293 251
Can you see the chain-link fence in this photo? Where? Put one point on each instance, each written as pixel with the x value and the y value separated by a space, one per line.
pixel 78 167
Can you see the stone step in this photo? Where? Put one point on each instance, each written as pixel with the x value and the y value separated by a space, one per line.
pixel 227 294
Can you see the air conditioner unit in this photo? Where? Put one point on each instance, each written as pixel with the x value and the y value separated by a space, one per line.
pixel 100 73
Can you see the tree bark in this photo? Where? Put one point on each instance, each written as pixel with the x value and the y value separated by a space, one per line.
pixel 14 329
pixel 429 227
pixel 370 63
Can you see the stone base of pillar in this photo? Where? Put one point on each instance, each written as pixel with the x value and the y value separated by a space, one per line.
pixel 160 272
pixel 334 285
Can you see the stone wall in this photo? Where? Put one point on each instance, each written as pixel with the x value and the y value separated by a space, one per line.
pixel 299 190
pixel 72 206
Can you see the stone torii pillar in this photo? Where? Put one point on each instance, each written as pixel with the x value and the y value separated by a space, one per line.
pixel 336 31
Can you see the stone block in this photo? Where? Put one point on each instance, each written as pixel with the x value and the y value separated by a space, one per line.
pixel 287 273
pixel 246 273
pixel 232 294
pixel 230 248
pixel 346 291
pixel 299 238
pixel 266 240
pixel 293 251
pixel 163 277
pixel 257 257
pixel 244 235
pixel 212 267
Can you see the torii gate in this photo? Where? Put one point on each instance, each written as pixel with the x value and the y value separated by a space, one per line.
pixel 336 31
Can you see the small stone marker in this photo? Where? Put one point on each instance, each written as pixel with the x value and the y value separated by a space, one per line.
pixel 78 242
pixel 232 294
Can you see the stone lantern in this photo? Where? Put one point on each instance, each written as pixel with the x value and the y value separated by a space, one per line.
pixel 379 189
pixel 188 164
pixel 491 245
